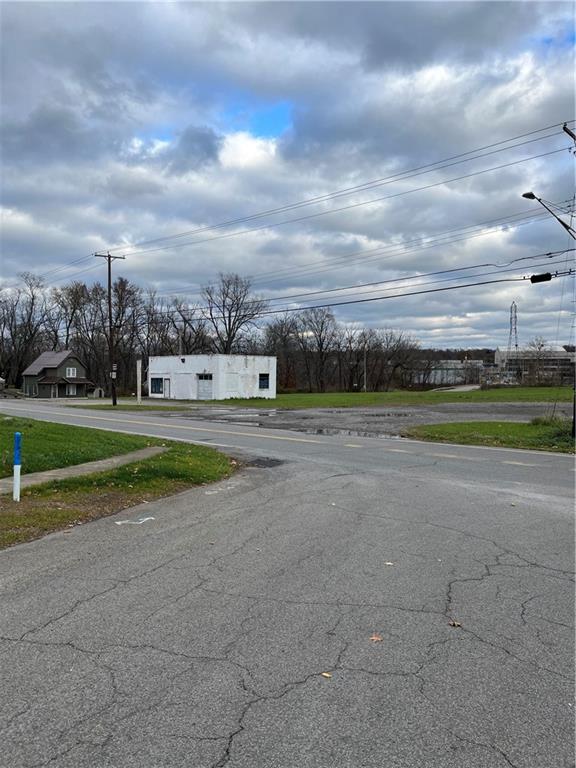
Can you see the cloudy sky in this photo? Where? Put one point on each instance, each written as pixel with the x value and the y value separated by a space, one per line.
pixel 185 136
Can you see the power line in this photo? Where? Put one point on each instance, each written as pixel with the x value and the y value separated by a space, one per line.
pixel 393 249
pixel 132 251
pixel 403 175
pixel 400 176
pixel 452 270
pixel 197 310
pixel 412 293
pixel 442 280
pixel 362 187
pixel 523 279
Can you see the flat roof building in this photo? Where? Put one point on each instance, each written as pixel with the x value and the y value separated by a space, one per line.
pixel 211 377
pixel 553 364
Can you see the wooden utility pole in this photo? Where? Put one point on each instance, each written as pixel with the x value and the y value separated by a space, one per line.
pixel 113 366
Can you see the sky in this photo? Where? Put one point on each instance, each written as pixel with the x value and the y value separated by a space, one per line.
pixel 125 123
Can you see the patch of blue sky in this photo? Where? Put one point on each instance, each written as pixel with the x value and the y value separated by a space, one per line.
pixel 271 121
pixel 264 121
pixel 564 40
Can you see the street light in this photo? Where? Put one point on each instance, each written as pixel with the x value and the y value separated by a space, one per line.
pixel 567 227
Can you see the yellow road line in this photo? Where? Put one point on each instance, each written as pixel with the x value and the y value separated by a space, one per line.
pixel 172 426
pixel 449 456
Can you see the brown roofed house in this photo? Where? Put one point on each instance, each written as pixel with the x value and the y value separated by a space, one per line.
pixel 56 374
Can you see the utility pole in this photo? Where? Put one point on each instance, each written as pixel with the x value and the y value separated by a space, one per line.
pixel 113 366
pixel 365 371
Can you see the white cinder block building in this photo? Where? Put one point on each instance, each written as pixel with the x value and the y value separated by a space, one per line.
pixel 211 377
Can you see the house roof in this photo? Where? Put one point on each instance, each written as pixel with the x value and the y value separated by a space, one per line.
pixel 47 360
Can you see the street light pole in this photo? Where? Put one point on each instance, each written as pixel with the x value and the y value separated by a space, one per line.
pixel 113 366
pixel 572 233
pixel 567 227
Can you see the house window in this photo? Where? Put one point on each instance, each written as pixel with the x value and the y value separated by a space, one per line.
pixel 204 377
pixel 71 389
pixel 263 381
pixel 71 373
pixel 156 387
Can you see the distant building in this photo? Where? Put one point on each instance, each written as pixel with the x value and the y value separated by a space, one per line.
pixel 212 377
pixel 441 373
pixel 553 364
pixel 56 374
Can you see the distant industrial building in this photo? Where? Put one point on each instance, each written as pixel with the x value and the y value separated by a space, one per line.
pixel 211 377
pixel 553 364
pixel 443 373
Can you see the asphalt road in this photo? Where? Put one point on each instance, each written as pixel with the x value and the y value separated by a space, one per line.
pixel 299 614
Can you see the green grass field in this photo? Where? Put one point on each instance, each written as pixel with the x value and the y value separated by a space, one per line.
pixel 370 399
pixel 49 446
pixel 541 434
pixel 59 504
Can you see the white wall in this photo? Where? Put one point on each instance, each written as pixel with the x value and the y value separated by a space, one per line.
pixel 232 376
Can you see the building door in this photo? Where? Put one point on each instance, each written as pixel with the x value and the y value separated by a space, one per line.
pixel 166 388
pixel 54 392
pixel 204 386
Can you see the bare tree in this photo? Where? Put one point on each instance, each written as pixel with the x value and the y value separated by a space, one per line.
pixel 397 356
pixel 317 337
pixel 537 350
pixel 24 311
pixel 191 329
pixel 231 310
pixel 280 339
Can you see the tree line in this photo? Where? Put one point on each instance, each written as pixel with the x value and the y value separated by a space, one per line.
pixel 314 352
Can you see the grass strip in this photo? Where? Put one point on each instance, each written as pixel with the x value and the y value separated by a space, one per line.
pixel 541 434
pixel 62 504
pixel 368 399
pixel 50 446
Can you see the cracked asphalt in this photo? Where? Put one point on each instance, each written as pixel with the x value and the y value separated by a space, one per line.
pixel 234 629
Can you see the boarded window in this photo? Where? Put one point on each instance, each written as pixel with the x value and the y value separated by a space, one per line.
pixel 156 387
pixel 263 381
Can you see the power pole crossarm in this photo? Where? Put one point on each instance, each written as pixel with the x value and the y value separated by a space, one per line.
pixel 113 366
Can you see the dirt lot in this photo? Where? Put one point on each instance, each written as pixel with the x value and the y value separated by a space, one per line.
pixel 374 422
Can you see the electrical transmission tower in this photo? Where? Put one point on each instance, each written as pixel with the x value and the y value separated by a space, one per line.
pixel 513 335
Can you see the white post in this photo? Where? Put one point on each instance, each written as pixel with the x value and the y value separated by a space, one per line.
pixel 139 380
pixel 17 464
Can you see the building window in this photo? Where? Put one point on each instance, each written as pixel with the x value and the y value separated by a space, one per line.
pixel 204 377
pixel 263 381
pixel 71 389
pixel 71 373
pixel 156 387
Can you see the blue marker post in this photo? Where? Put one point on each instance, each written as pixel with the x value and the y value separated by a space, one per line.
pixel 17 463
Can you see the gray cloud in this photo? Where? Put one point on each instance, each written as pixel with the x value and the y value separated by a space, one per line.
pixel 197 146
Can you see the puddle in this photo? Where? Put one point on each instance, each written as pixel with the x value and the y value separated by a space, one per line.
pixel 265 463
pixel 350 433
